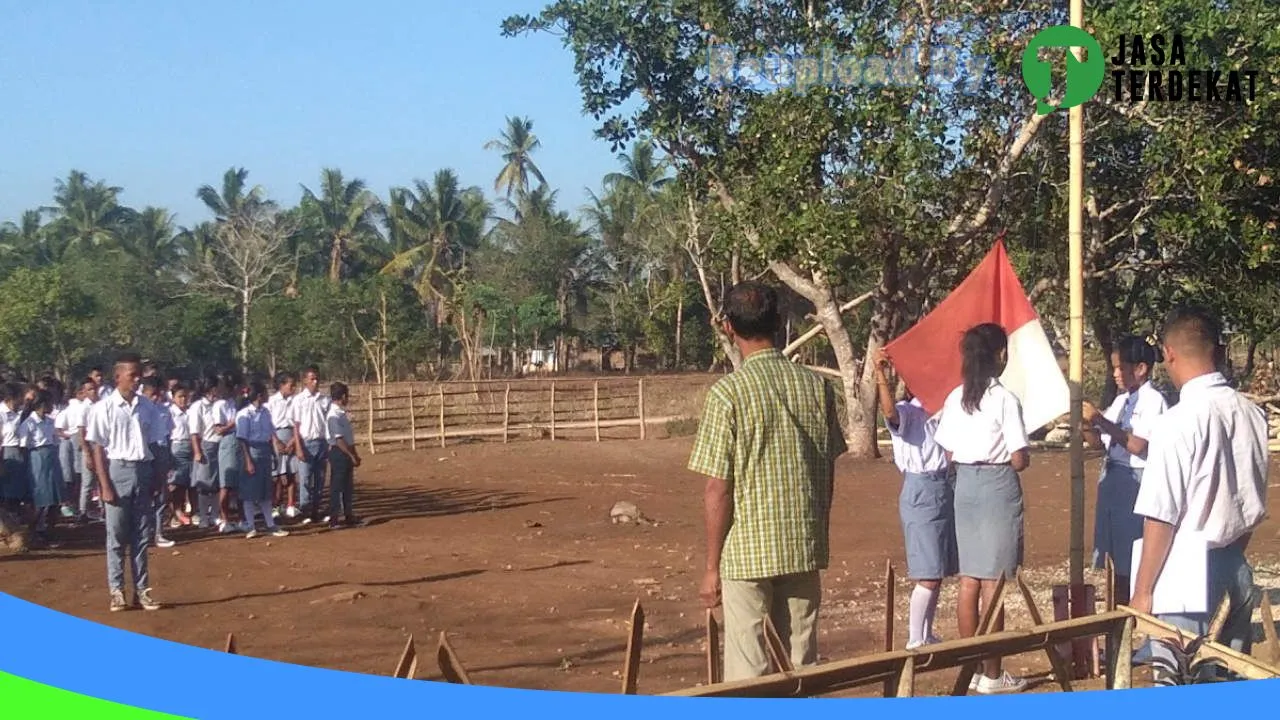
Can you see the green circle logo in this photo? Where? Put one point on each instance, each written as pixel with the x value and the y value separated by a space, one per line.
pixel 1084 79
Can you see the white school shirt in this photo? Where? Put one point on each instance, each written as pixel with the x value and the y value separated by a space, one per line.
pixel 1136 412
pixel 179 424
pixel 206 415
pixel 126 430
pixel 914 448
pixel 9 426
pixel 310 411
pixel 1207 463
pixel 254 424
pixel 338 425
pixel 104 390
pixel 37 432
pixel 166 419
pixel 59 416
pixel 281 408
pixel 77 413
pixel 991 435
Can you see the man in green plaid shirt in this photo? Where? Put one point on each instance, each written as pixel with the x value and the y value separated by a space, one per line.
pixel 767 442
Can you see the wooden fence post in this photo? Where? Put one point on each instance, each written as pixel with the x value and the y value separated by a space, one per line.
pixel 441 389
pixel 595 403
pixel 640 396
pixel 371 447
pixel 413 422
pixel 553 409
pixel 506 413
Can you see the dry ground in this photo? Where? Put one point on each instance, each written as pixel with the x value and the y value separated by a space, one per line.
pixel 510 549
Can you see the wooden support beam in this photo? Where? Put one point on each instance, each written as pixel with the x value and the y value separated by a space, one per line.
pixel 715 666
pixel 989 614
pixel 890 684
pixel 506 413
pixel 372 449
pixel 413 423
pixel 1237 662
pixel 553 410
pixel 1269 628
pixel 775 648
pixel 231 644
pixel 1219 618
pixel 635 640
pixel 1120 657
pixel 1111 584
pixel 450 666
pixel 595 407
pixel 441 396
pixel 905 686
pixel 816 330
pixel 407 667
pixel 640 407
pixel 1061 670
pixel 872 669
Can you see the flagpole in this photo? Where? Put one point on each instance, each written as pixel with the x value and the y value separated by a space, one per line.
pixel 1075 236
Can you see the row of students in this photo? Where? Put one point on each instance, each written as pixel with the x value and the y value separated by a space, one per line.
pixel 961 504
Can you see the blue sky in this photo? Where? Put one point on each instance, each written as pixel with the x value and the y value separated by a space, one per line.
pixel 160 97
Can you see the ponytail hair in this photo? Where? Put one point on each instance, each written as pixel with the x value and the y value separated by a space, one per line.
pixel 981 348
pixel 1134 350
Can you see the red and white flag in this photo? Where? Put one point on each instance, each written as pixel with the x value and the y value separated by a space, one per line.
pixel 928 356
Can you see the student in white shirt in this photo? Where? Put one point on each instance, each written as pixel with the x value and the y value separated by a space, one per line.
pixel 343 459
pixel 205 436
pixel 1123 431
pixel 77 420
pixel 926 505
pixel 254 431
pixel 182 495
pixel 983 431
pixel 1206 473
pixel 310 410
pixel 103 388
pixel 13 483
pixel 286 451
pixel 224 410
pixel 122 431
pixel 163 459
pixel 39 441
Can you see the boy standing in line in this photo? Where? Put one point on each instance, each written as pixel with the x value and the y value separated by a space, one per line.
pixel 343 459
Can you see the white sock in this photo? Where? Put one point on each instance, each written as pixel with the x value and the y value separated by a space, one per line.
pixel 931 613
pixel 921 598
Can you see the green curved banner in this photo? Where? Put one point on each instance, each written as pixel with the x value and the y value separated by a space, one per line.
pixel 26 699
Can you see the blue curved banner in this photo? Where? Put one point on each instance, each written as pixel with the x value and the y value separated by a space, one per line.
pixel 50 661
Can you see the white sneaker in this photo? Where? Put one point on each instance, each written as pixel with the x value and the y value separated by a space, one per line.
pixel 278 532
pixel 275 513
pixel 163 542
pixel 195 521
pixel 291 512
pixel 251 534
pixel 931 640
pixel 227 528
pixel 1006 683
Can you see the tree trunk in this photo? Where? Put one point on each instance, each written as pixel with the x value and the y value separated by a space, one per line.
pixel 1107 344
pixel 679 326
pixel 337 249
pixel 245 299
pixel 1250 357
pixel 859 393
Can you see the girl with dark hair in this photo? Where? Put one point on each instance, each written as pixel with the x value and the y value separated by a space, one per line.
pixel 13 482
pixel 983 432
pixel 205 436
pixel 224 412
pixel 254 430
pixel 1123 431
pixel 39 439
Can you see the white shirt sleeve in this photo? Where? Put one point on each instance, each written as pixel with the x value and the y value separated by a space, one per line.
pixel 332 428
pixel 95 430
pixel 906 418
pixel 946 422
pixel 1012 426
pixel 1162 494
pixel 1151 406
pixel 244 428
pixel 24 432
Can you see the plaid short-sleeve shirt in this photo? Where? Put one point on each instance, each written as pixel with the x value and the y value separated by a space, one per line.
pixel 772 430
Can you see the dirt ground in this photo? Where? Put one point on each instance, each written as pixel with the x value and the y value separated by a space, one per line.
pixel 510 549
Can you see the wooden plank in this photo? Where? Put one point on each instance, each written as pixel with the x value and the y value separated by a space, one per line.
pixel 906 684
pixel 553 410
pixel 1111 584
pixel 871 669
pixel 775 648
pixel 635 640
pixel 640 406
pixel 506 413
pixel 413 423
pixel 450 666
pixel 890 684
pixel 372 449
pixel 984 628
pixel 1237 662
pixel 393 438
pixel 595 404
pixel 231 644
pixel 1061 671
pixel 715 660
pixel 1120 657
pixel 442 431
pixel 1220 618
pixel 1269 628
pixel 407 667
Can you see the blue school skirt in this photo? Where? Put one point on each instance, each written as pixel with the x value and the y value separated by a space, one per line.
pixel 45 479
pixel 989 532
pixel 181 454
pixel 286 462
pixel 228 462
pixel 14 485
pixel 204 476
pixel 257 487
pixel 1115 526
pixel 926 508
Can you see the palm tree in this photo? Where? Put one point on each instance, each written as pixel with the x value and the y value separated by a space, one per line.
pixel 150 239
pixel 87 213
pixel 345 213
pixel 27 240
pixel 234 200
pixel 640 171
pixel 517 145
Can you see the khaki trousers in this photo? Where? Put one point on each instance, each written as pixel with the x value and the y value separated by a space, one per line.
pixel 791 601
